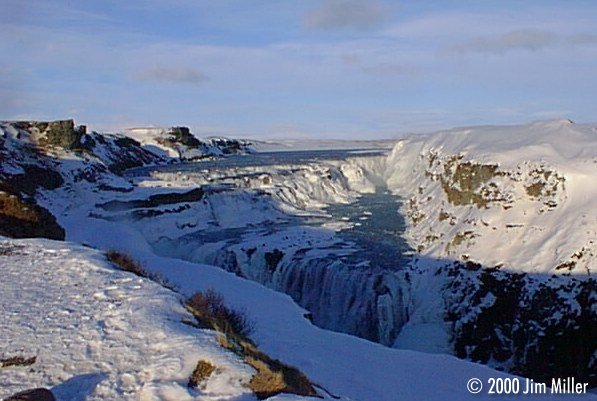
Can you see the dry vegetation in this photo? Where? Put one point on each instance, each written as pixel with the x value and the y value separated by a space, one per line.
pixel 211 312
pixel 17 361
pixel 202 371
pixel 272 376
pixel 127 263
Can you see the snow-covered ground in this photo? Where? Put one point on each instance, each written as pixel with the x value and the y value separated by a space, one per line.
pixel 99 333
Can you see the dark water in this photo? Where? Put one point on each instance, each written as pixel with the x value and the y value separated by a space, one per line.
pixel 378 227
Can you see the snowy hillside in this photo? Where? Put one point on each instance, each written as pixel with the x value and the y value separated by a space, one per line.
pixel 178 142
pixel 101 334
pixel 519 197
pixel 305 144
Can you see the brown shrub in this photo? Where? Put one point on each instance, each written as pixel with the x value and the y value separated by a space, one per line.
pixel 202 371
pixel 17 361
pixel 272 376
pixel 211 312
pixel 127 263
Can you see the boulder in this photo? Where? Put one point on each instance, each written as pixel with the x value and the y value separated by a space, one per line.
pixel 36 394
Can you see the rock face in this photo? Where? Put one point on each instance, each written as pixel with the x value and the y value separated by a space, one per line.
pixel 33 178
pixel 119 153
pixel 526 324
pixel 228 146
pixel 183 135
pixel 61 133
pixel 37 394
pixel 24 219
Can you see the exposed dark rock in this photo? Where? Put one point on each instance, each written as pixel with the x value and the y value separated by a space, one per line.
pixel 61 133
pixel 20 218
pixel 183 136
pixel 528 325
pixel 272 259
pixel 130 155
pixel 228 146
pixel 250 251
pixel 228 258
pixel 37 394
pixel 193 195
pixel 106 187
pixel 33 178
pixel 463 183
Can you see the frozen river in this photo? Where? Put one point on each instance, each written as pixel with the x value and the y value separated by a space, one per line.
pixel 373 223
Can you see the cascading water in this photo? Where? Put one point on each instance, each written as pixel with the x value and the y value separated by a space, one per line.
pixel 343 263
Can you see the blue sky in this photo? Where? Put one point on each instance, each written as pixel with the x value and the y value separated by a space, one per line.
pixel 308 68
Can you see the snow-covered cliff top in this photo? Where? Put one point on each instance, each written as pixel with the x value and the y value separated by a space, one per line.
pixel 518 196
pixel 558 142
pixel 181 143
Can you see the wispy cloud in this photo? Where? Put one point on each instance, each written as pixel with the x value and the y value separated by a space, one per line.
pixel 582 39
pixel 388 69
pixel 524 39
pixel 333 15
pixel 179 75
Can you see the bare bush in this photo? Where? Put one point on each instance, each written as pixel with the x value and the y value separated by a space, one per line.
pixel 202 372
pixel 127 263
pixel 17 361
pixel 211 312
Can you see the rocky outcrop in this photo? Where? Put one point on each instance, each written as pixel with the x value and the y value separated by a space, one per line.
pixel 183 135
pixel 62 133
pixel 228 146
pixel 21 218
pixel 119 153
pixel 37 394
pixel 193 195
pixel 535 326
pixel 34 177
pixel 179 143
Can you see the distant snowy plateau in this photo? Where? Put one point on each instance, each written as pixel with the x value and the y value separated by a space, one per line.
pixel 382 270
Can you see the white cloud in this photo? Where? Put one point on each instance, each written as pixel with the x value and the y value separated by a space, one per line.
pixel 524 39
pixel 178 75
pixel 357 15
